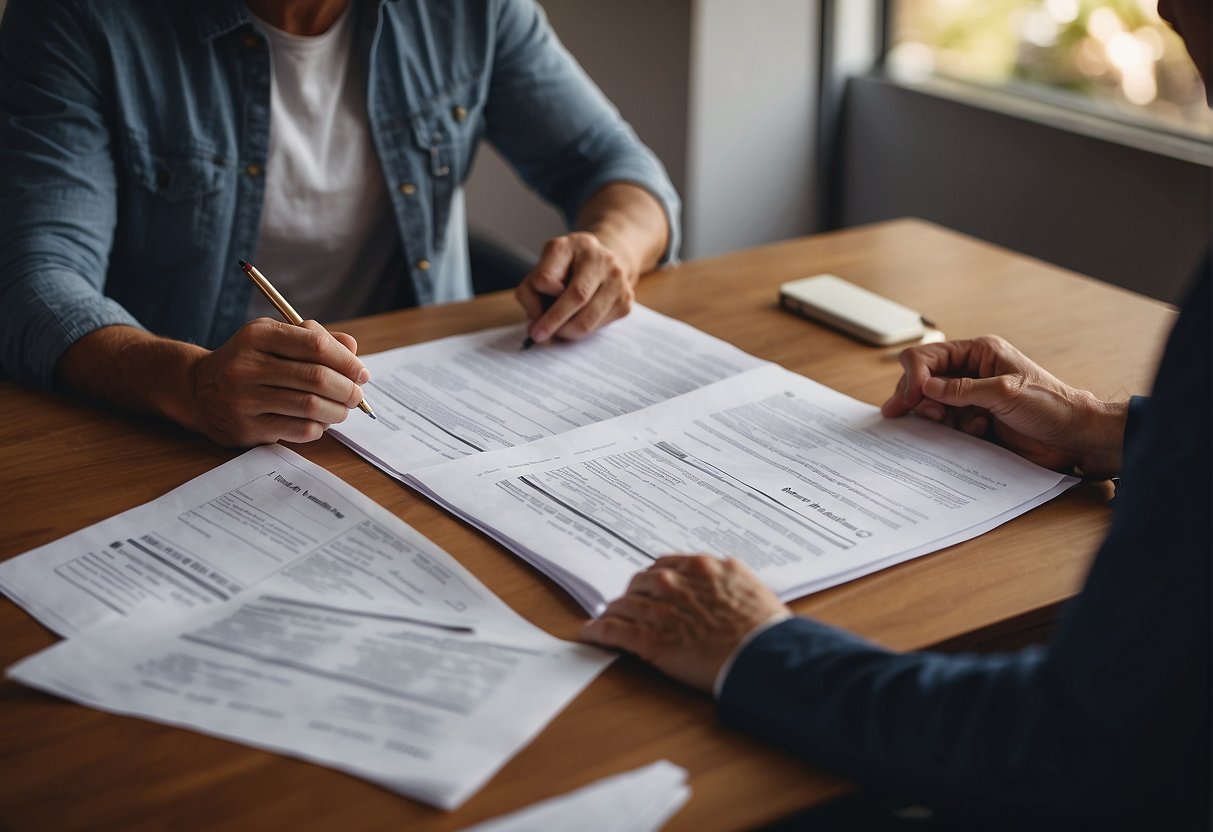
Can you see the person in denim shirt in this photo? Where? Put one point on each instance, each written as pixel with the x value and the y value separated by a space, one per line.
pixel 135 139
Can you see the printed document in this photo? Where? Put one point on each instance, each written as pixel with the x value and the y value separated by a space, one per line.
pixel 197 546
pixel 457 396
pixel 349 640
pixel 808 486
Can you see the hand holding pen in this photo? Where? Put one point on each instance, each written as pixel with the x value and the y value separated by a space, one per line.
pixel 578 286
pixel 286 311
pixel 271 381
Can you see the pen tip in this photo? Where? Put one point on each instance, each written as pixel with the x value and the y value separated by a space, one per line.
pixel 243 264
pixel 373 416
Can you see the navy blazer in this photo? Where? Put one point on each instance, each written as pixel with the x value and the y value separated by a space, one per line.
pixel 1110 720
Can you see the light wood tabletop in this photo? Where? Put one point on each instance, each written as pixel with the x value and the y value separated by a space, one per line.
pixel 67 464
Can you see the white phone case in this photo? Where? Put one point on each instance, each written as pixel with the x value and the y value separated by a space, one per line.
pixel 865 315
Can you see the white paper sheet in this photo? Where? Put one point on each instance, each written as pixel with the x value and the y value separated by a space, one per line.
pixel 196 546
pixel 456 396
pixel 810 487
pixel 372 650
pixel 642 800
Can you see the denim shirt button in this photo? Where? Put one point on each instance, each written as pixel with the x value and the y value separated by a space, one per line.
pixel 408 188
pixel 423 265
pixel 249 41
pixel 253 170
pixel 459 112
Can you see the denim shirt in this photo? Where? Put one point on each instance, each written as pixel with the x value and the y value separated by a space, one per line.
pixel 134 135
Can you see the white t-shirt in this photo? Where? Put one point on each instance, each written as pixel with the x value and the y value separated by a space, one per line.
pixel 328 238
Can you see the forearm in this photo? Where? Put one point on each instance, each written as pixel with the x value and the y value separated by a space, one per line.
pixel 270 381
pixel 133 369
pixel 967 733
pixel 629 221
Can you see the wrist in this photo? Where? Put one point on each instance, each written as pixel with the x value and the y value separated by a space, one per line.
pixel 1102 435
pixel 630 222
pixel 617 242
pixel 722 672
pixel 178 399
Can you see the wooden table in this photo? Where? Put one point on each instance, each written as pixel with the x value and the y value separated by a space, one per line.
pixel 68 464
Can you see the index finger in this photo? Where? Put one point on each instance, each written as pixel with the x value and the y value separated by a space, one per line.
pixel 919 364
pixel 311 343
pixel 547 278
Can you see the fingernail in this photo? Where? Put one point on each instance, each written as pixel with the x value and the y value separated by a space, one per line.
pixel 930 410
pixel 934 387
pixel 539 336
pixel 364 376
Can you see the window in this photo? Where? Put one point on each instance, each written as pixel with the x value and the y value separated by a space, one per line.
pixel 1116 57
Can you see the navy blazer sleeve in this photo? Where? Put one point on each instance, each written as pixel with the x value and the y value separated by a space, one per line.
pixel 1109 716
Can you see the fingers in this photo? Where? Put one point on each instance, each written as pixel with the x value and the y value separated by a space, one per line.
pixel 272 427
pixel 616 632
pixel 590 285
pixel 296 360
pixel 548 276
pixel 312 343
pixel 987 388
pixel 995 394
pixel 686 614
pixel 941 373
pixel 273 381
pixel 546 279
pixel 918 365
pixel 346 341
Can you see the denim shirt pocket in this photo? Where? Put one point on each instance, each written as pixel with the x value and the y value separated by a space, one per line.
pixel 172 204
pixel 447 129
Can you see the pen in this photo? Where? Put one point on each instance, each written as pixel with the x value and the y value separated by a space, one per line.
pixel 286 310
pixel 547 301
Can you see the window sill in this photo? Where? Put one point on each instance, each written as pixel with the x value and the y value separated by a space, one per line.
pixel 1040 109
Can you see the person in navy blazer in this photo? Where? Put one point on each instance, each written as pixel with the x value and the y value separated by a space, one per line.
pixel 1105 727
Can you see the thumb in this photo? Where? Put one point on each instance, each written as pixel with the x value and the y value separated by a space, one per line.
pixel 992 394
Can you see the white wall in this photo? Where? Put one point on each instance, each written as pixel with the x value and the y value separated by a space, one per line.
pixel 723 91
pixel 751 134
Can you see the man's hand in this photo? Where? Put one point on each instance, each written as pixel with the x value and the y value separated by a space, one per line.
pixel 686 615
pixel 271 381
pixel 986 387
pixel 591 285
pixel 587 279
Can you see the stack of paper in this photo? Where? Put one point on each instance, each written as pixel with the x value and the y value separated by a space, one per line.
pixel 270 603
pixel 808 486
pixel 480 391
pixel 638 801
